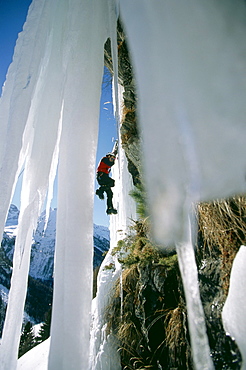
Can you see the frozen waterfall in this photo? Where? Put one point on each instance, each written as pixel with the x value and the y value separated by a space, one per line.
pixel 189 64
pixel 104 354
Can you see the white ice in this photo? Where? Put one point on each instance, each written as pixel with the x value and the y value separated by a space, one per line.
pixel 103 353
pixel 189 61
pixel 39 138
pixel 233 314
pixel 51 100
pixel 196 322
pixel 74 242
pixel 189 64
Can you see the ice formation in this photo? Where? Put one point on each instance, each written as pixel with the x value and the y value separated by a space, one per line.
pixel 233 313
pixel 51 101
pixel 103 351
pixel 189 64
pixel 196 321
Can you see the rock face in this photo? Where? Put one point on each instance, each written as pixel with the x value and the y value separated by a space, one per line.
pixel 130 137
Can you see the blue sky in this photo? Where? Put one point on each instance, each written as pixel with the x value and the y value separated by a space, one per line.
pixel 12 17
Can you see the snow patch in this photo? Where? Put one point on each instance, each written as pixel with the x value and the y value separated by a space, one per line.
pixel 36 358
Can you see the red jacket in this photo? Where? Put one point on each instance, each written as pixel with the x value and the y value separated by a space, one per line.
pixel 105 165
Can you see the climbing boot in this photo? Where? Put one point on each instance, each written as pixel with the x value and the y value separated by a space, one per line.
pixel 111 211
pixel 99 193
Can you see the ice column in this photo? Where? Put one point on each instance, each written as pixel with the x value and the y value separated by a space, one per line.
pixel 189 61
pixel 50 105
pixel 196 322
pixel 233 313
pixel 16 99
pixel 39 118
pixel 84 50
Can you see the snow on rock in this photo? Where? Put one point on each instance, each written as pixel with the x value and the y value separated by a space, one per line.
pixel 13 216
pixel 233 313
pixel 43 245
pixel 101 232
pixel 12 221
pixel 4 293
pixel 103 352
pixel 43 248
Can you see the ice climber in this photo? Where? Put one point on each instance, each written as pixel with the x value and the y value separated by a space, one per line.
pixel 105 181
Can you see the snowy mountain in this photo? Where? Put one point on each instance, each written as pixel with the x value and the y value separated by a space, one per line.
pixel 39 295
pixel 42 256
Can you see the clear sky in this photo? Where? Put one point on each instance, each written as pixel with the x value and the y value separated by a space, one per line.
pixel 12 17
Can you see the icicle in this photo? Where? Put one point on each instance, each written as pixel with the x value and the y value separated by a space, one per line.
pixel 233 313
pixel 39 137
pixel 16 100
pixel 53 172
pixel 176 67
pixel 84 62
pixel 197 328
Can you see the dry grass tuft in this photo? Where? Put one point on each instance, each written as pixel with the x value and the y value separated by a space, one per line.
pixel 175 334
pixel 222 225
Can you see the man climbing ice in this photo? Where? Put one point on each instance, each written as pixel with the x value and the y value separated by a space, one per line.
pixel 105 181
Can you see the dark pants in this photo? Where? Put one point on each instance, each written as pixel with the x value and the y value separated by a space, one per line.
pixel 106 183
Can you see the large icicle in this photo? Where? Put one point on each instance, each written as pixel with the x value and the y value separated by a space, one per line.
pixel 233 314
pixel 55 80
pixel 87 21
pixel 190 66
pixel 197 328
pixel 39 142
pixel 17 96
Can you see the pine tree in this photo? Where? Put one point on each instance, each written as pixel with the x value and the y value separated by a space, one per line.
pixel 44 331
pixel 27 340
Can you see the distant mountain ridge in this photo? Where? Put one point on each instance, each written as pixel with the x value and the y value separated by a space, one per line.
pixel 42 261
pixel 42 256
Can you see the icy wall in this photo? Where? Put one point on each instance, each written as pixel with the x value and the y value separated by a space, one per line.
pixel 103 348
pixel 189 61
pixel 50 108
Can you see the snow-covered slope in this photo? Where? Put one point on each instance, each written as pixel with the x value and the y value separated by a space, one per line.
pixel 42 256
pixel 36 359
